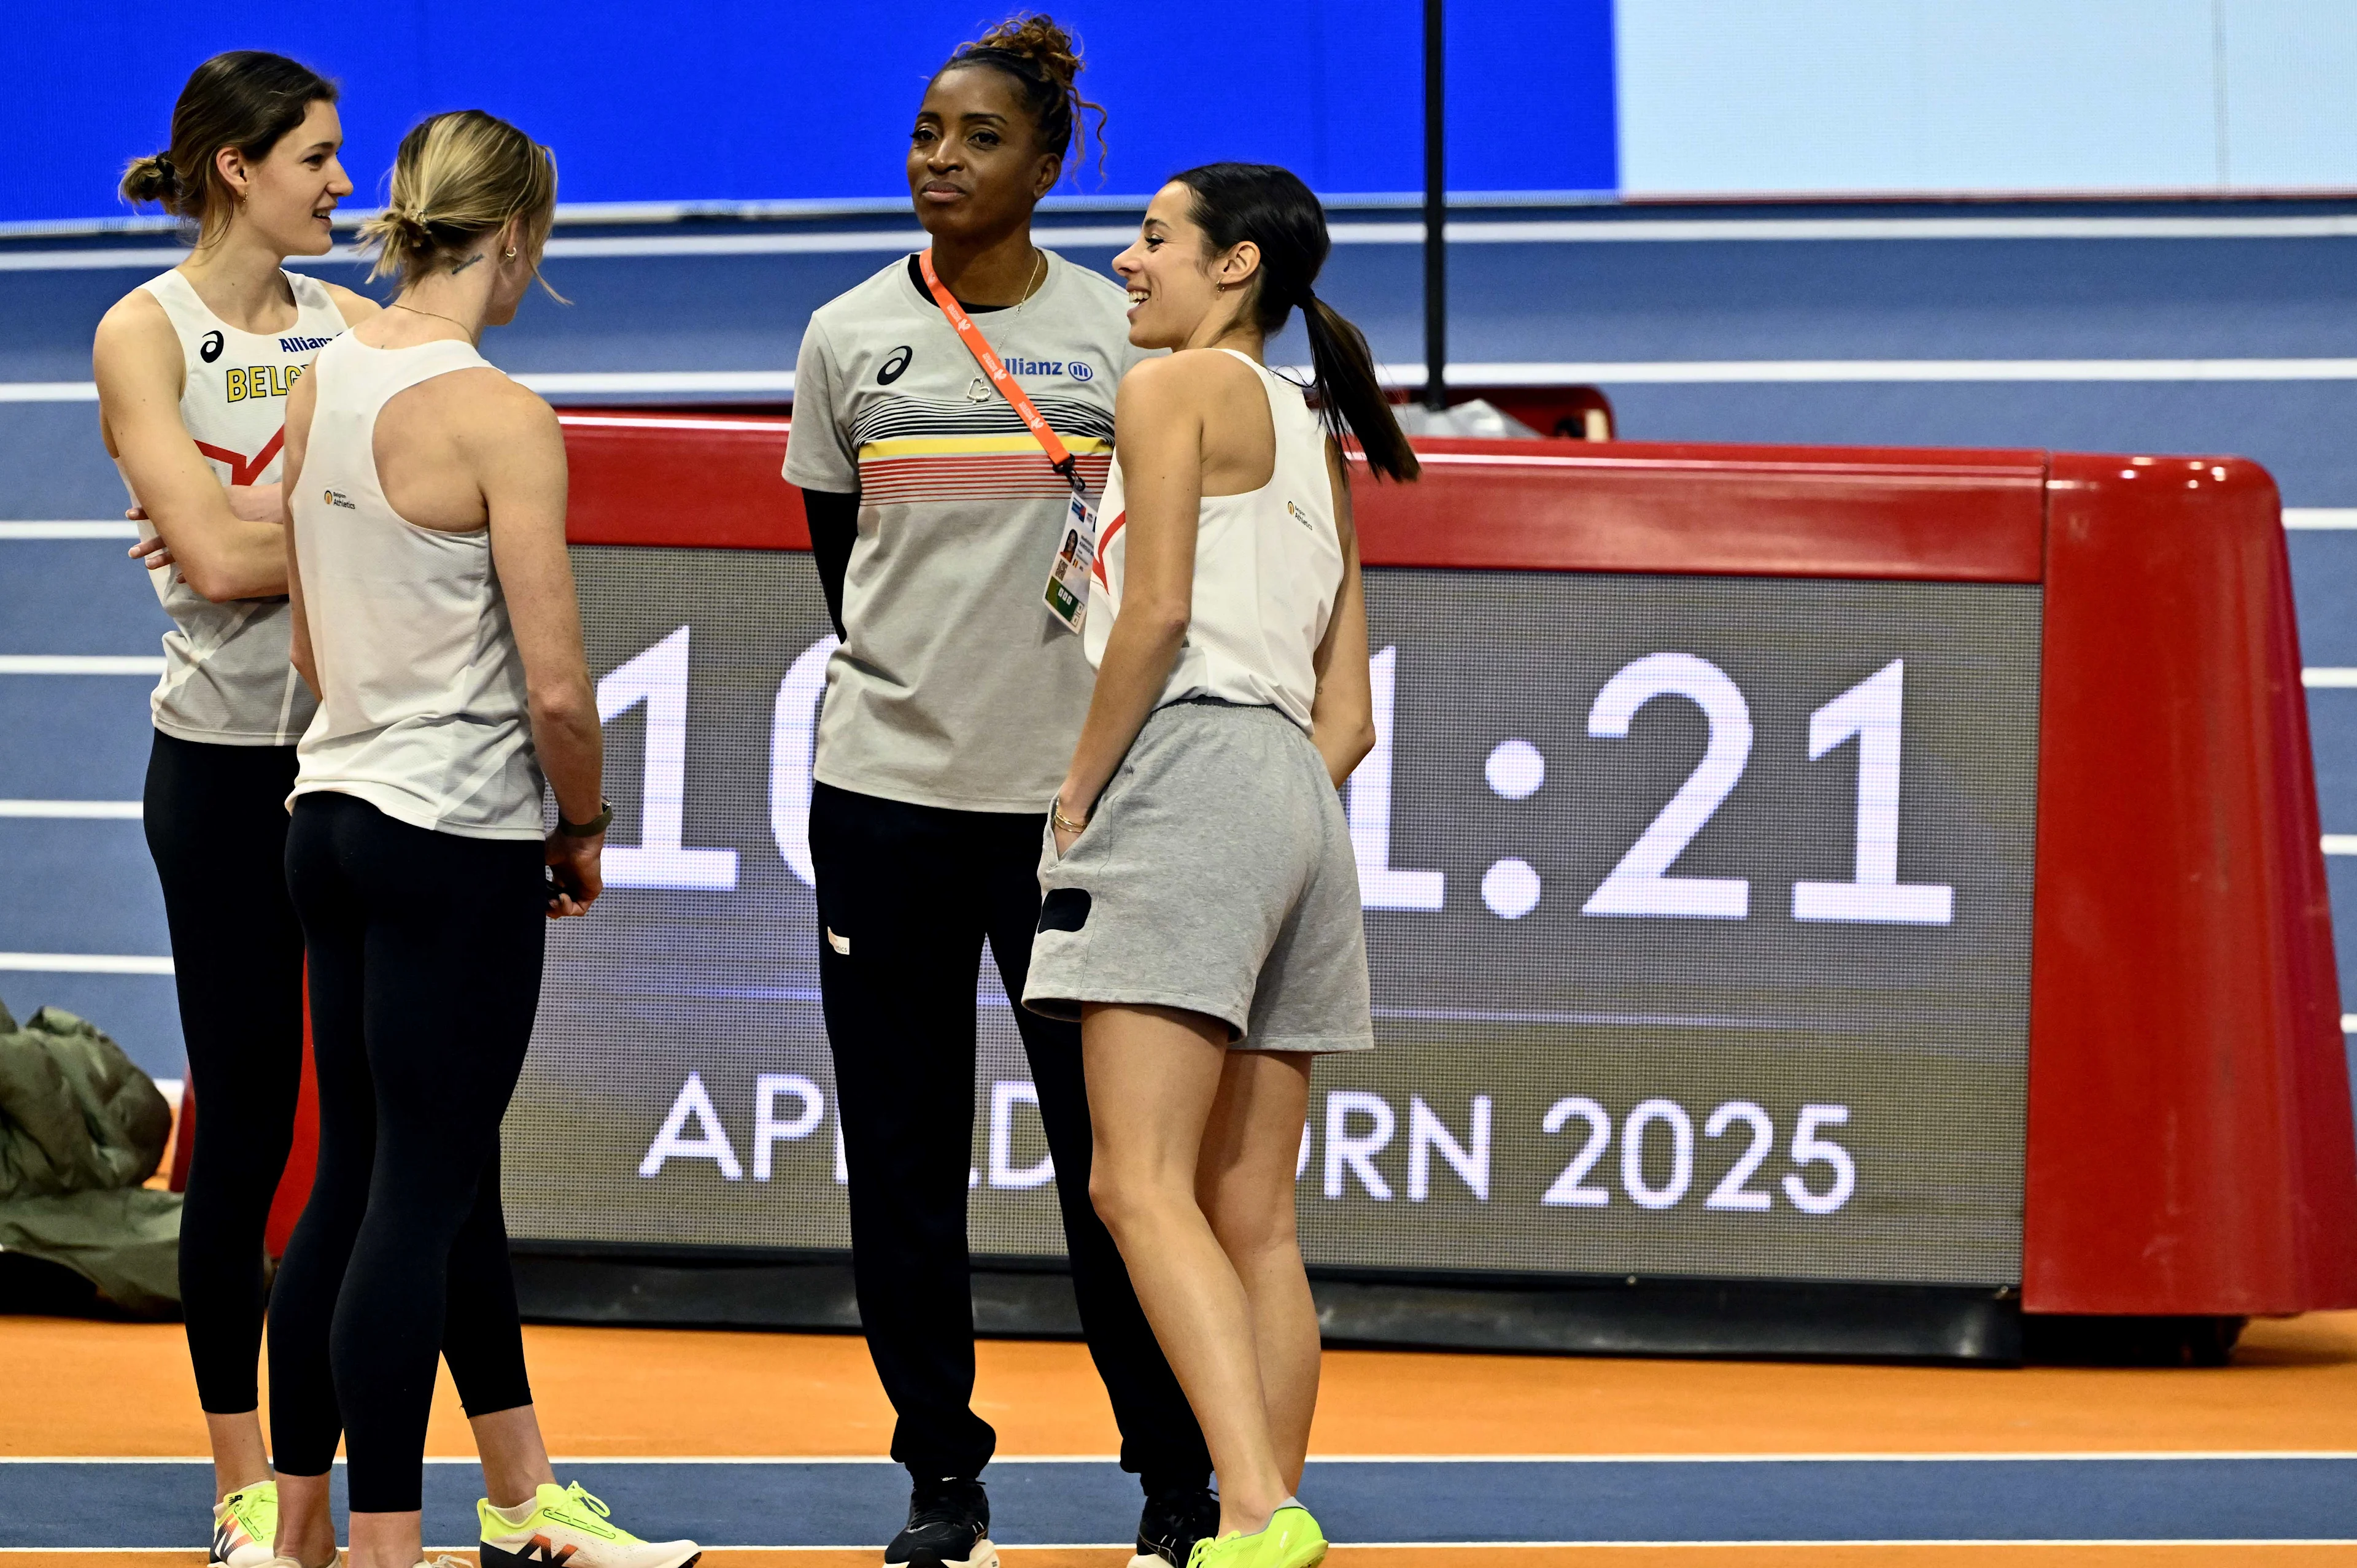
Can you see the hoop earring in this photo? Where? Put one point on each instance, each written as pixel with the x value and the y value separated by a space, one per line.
pixel 511 253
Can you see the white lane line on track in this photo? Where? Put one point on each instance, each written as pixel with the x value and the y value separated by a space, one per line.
pixel 657 422
pixel 1462 231
pixel 779 383
pixel 2319 517
pixel 87 963
pixel 2329 678
pixel 72 810
pixel 1984 1543
pixel 1493 373
pixel 2145 1456
pixel 76 528
pixel 81 664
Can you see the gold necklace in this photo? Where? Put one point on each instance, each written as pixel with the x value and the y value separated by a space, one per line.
pixel 1038 276
pixel 437 316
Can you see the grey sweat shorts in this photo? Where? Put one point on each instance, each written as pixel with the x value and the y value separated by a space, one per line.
pixel 1216 875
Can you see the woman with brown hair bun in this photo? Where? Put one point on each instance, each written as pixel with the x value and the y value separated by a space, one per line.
pixel 193 369
pixel 935 515
pixel 434 617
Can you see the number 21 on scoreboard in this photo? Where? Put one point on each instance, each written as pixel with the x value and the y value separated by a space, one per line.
pixel 1640 884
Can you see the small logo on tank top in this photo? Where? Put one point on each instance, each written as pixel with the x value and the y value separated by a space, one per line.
pixel 337 497
pixel 302 345
pixel 210 348
pixel 1299 516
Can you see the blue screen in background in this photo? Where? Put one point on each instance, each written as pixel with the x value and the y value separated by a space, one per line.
pixel 721 99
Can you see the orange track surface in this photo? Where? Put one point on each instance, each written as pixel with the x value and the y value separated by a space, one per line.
pixel 612 1392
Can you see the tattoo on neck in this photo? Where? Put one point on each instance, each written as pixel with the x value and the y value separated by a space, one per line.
pixel 470 262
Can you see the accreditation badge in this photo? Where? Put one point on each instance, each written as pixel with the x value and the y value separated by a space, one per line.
pixel 1068 578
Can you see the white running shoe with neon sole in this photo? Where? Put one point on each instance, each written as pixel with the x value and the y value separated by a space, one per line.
pixel 567 1528
pixel 246 1527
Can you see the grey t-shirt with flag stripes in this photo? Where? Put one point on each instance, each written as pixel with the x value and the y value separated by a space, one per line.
pixel 955 687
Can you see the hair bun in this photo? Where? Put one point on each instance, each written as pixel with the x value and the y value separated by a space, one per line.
pixel 1038 38
pixel 152 179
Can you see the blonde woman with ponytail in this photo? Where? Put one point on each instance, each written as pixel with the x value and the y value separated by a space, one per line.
pixel 193 371
pixel 434 617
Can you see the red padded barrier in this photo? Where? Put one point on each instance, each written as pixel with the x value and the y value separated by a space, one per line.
pixel 2189 1139
pixel 2191 1148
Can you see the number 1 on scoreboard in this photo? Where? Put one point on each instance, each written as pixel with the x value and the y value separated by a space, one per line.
pixel 1870 711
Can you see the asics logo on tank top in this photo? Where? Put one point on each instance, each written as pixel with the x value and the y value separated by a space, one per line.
pixel 210 348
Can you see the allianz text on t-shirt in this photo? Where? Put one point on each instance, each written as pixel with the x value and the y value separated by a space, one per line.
pixel 955 687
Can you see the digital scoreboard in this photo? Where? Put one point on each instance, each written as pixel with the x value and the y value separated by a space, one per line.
pixel 1698 909
pixel 1881 878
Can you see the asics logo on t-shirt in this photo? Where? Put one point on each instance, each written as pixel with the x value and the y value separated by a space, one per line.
pixel 889 371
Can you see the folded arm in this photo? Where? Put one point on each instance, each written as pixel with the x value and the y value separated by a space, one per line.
pixel 225 545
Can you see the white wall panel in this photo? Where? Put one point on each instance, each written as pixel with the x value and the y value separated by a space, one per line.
pixel 2291 92
pixel 1902 95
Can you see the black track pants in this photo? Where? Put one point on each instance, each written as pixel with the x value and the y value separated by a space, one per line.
pixel 425 960
pixel 215 820
pixel 914 890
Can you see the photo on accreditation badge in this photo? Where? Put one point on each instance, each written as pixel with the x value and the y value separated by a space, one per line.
pixel 1095 795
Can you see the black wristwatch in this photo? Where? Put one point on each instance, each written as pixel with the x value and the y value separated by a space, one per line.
pixel 589 829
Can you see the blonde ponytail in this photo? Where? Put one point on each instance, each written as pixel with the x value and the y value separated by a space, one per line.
pixel 458 177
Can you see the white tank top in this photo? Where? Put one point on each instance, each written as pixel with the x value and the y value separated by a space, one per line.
pixel 226 678
pixel 422 713
pixel 1268 564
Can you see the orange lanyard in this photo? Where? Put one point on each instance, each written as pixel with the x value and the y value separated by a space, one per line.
pixel 1059 458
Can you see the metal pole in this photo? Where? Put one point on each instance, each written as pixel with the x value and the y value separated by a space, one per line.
pixel 1435 217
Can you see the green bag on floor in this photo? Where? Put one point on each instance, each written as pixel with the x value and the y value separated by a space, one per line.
pixel 81 1127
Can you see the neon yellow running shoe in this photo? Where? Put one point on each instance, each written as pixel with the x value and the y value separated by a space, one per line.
pixel 566 1525
pixel 1290 1540
pixel 246 1527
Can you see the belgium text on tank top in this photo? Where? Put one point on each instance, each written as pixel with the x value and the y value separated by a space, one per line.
pixel 1268 564
pixel 226 678
pixel 423 711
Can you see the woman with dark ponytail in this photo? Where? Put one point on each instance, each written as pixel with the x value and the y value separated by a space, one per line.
pixel 1202 910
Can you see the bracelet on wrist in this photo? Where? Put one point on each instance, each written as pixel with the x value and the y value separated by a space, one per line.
pixel 1064 823
pixel 590 828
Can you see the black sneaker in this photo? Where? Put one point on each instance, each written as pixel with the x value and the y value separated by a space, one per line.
pixel 1171 1525
pixel 949 1527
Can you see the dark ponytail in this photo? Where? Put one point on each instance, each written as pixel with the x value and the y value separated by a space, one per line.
pixel 1271 206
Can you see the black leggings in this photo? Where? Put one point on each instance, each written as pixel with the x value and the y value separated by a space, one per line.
pixel 913 890
pixel 216 818
pixel 426 956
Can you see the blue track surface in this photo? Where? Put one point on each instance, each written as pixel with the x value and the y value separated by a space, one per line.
pixel 115 1505
pixel 79 888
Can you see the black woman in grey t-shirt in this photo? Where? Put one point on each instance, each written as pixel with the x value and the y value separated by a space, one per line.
pixel 951 709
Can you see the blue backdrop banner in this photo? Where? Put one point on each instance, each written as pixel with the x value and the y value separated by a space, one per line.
pixel 730 100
